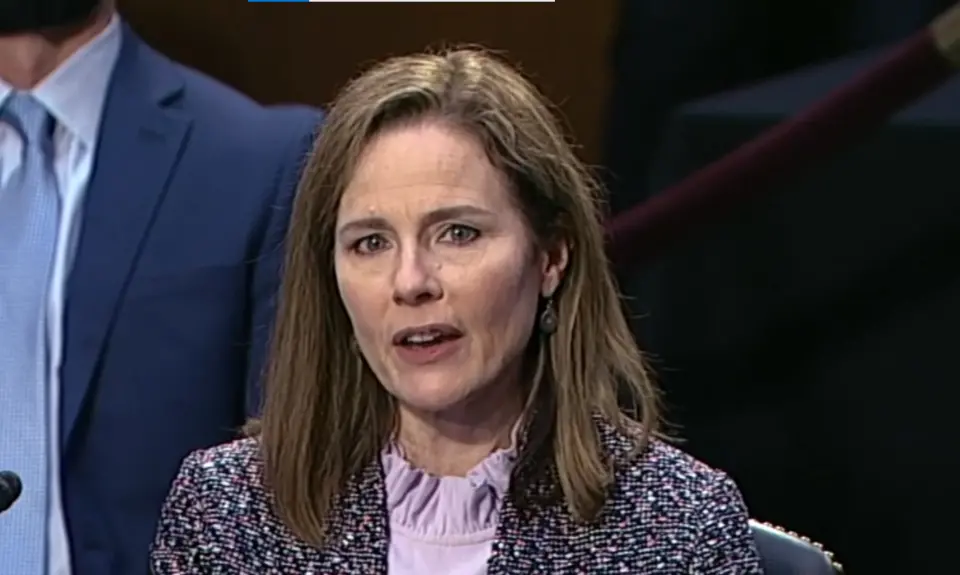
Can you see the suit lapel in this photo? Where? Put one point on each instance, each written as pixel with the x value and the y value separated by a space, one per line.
pixel 140 141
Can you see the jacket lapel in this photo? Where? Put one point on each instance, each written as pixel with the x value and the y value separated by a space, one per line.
pixel 359 538
pixel 521 544
pixel 141 140
pixel 539 536
pixel 531 515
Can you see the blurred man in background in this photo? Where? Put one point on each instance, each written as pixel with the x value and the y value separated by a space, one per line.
pixel 142 206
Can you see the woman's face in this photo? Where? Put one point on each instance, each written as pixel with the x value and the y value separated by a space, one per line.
pixel 437 268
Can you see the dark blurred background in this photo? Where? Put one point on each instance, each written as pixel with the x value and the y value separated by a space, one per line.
pixel 806 344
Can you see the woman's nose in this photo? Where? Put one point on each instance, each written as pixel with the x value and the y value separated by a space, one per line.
pixel 415 281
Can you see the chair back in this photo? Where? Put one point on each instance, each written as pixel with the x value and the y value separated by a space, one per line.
pixel 787 553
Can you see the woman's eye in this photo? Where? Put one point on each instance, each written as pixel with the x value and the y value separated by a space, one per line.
pixel 460 234
pixel 370 244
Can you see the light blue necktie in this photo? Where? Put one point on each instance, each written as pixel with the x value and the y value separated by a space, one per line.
pixel 29 217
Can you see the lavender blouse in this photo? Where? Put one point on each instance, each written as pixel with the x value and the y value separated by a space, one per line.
pixel 444 524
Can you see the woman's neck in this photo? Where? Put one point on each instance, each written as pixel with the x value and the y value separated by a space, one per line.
pixel 443 445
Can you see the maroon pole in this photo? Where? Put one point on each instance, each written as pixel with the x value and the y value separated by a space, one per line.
pixel 913 68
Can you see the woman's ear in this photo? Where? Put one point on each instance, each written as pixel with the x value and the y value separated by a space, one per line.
pixel 553 266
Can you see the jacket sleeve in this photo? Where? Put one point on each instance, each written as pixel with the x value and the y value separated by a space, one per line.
pixel 725 543
pixel 180 535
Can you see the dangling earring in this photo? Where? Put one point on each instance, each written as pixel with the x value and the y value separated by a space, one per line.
pixel 548 318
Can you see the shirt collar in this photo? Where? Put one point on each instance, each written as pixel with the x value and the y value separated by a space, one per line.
pixel 76 91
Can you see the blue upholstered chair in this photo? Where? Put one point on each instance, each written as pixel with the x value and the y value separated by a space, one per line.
pixel 787 553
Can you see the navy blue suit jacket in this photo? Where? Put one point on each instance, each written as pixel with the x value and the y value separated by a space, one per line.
pixel 170 297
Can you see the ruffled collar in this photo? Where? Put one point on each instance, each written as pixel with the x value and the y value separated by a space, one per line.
pixel 450 508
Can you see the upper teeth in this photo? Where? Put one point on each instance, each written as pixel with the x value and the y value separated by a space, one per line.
pixel 423 337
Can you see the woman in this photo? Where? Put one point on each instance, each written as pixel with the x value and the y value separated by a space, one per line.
pixel 449 348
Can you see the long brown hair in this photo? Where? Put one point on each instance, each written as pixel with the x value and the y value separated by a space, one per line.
pixel 325 417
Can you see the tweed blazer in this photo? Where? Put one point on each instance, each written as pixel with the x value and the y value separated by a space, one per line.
pixel 666 513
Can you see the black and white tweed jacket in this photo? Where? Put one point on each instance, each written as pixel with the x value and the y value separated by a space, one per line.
pixel 666 514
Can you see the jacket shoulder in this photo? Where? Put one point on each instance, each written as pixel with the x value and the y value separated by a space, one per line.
pixel 659 462
pixel 670 467
pixel 222 106
pixel 232 470
pixel 239 457
pixel 219 110
pixel 665 495
pixel 194 519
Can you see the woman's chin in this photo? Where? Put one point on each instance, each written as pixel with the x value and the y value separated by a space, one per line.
pixel 433 404
pixel 432 397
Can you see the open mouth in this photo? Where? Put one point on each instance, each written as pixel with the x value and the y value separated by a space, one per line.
pixel 426 337
pixel 426 344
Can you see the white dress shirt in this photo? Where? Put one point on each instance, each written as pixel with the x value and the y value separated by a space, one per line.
pixel 74 94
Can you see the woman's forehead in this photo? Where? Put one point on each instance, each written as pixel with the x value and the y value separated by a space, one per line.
pixel 423 168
